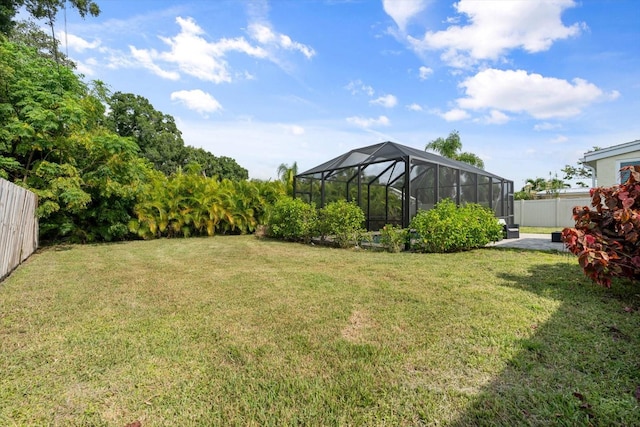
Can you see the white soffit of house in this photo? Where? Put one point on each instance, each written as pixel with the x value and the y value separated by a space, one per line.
pixel 615 150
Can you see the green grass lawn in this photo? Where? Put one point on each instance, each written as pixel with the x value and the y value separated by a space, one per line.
pixel 240 331
pixel 540 230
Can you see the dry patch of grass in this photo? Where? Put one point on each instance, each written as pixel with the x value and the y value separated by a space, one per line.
pixel 358 325
pixel 240 331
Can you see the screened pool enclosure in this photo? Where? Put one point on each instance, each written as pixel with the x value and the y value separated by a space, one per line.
pixel 392 182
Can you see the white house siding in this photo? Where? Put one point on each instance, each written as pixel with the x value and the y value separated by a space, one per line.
pixel 609 168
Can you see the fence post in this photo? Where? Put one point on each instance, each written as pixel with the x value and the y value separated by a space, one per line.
pixel 521 219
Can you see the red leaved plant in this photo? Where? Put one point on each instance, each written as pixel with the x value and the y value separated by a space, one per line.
pixel 606 238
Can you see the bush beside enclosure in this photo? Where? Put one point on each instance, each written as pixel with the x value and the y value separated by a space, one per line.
pixel 293 220
pixel 445 228
pixel 451 228
pixel 343 221
pixel 296 220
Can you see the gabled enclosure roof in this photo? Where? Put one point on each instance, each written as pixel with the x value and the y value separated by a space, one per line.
pixel 386 151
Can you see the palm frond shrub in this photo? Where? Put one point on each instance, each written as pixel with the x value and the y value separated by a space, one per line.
pixel 190 204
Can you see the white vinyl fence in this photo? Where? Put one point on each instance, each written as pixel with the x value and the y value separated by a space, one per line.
pixel 548 212
pixel 18 226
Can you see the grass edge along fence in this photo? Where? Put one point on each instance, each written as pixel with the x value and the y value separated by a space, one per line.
pixel 18 226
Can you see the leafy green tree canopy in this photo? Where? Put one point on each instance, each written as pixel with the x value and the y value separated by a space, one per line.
pixel 210 165
pixel 580 171
pixel 53 142
pixel 551 186
pixel 160 140
pixel 42 9
pixel 156 134
pixel 451 147
pixel 30 34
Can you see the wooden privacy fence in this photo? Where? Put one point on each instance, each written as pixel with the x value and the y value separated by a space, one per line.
pixel 18 226
pixel 548 212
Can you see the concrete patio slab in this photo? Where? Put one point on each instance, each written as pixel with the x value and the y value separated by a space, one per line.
pixel 540 242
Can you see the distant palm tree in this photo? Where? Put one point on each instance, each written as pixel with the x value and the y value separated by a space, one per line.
pixel 286 174
pixel 450 148
pixel 538 184
pixel 552 185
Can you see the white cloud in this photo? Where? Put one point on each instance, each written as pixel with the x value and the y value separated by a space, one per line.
pixel 192 54
pixel 357 86
pixel 517 91
pixel 414 107
pixel 87 67
pixel 401 11
pixel 197 100
pixel 294 129
pixel 559 139
pixel 264 35
pixel 78 44
pixel 496 117
pixel 202 59
pixel 387 101
pixel 146 59
pixel 455 115
pixel 495 27
pixel 366 123
pixel 425 72
pixel 546 126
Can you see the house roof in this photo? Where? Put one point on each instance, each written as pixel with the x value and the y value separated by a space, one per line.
pixel 615 150
pixel 386 151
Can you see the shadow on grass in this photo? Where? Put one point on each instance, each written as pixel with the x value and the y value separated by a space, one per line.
pixel 581 367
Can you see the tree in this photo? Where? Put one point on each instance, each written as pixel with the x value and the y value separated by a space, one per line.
pixel 530 189
pixel 53 142
pixel 578 172
pixel 286 174
pixel 212 166
pixel 536 184
pixel 160 140
pixel 551 186
pixel 450 148
pixel 8 10
pixel 29 34
pixel 42 9
pixel 190 204
pixel 156 133
pixel 554 184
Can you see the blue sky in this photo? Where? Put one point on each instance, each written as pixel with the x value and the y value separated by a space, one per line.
pixel 529 85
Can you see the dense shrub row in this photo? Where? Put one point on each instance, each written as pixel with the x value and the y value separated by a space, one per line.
pixel 294 220
pixel 445 228
pixel 451 228
pixel 190 204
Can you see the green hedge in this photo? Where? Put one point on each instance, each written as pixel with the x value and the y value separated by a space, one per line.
pixel 294 220
pixel 343 221
pixel 451 228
